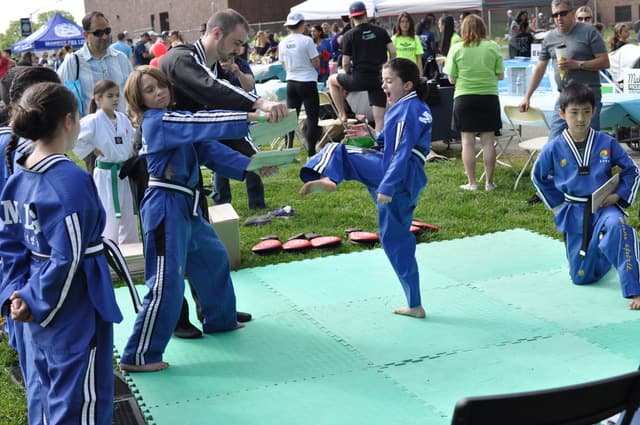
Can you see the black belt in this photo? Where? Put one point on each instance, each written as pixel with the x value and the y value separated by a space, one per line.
pixel 116 261
pixel 586 219
pixel 165 184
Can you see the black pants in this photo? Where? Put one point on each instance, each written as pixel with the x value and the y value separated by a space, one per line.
pixel 255 188
pixel 306 93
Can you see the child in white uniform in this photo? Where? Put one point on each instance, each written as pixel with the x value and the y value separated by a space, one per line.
pixel 108 134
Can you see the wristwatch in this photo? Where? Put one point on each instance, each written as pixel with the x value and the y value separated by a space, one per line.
pixel 581 65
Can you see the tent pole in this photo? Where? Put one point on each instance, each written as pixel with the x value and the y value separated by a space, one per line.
pixel 489 22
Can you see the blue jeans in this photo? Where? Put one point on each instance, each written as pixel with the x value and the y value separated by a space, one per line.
pixel 558 125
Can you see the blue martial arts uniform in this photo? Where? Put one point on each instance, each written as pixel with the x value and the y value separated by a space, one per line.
pixel 565 178
pixel 52 253
pixel 15 330
pixel 178 240
pixel 396 170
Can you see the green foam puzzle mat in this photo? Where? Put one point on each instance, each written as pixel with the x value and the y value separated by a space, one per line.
pixel 324 347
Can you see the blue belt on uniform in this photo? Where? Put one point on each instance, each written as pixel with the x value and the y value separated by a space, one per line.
pixel 114 167
pixel 116 261
pixel 165 184
pixel 586 219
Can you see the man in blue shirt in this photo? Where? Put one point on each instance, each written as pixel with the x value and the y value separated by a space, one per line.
pixel 122 45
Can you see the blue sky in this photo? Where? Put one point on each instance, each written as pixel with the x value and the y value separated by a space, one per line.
pixel 12 10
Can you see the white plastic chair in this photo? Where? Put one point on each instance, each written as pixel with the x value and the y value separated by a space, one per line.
pixel 532 117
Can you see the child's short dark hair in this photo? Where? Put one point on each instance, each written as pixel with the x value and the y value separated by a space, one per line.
pixel 576 93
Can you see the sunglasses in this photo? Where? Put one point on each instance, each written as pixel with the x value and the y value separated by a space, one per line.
pixel 100 33
pixel 584 18
pixel 562 13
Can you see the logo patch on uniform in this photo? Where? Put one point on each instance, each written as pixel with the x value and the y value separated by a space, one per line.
pixel 581 272
pixel 563 162
pixel 605 155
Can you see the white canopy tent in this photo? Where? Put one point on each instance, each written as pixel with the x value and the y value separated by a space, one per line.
pixel 317 10
pixel 395 7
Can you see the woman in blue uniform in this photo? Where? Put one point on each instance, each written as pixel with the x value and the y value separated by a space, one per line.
pixel 178 241
pixel 55 276
pixel 393 171
pixel 571 166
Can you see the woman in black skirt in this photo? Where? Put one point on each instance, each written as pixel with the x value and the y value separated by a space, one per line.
pixel 475 65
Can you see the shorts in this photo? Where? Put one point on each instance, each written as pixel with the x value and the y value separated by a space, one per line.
pixel 365 82
pixel 476 113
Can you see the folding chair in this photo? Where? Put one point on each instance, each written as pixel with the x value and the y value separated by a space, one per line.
pixel 532 117
pixel 327 125
pixel 582 404
pixel 501 144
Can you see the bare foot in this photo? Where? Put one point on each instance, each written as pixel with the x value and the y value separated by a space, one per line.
pixel 240 325
pixel 322 185
pixel 417 312
pixel 635 303
pixel 150 367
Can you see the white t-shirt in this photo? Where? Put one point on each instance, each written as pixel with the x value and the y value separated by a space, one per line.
pixel 296 52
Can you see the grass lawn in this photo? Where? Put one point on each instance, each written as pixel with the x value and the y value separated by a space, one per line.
pixel 459 214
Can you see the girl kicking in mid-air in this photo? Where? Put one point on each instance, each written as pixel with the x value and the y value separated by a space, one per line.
pixel 393 171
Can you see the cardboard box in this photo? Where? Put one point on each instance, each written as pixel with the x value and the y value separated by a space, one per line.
pixel 133 255
pixel 226 223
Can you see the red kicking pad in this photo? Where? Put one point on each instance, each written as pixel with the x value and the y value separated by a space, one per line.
pixel 358 237
pixel 425 226
pixel 267 245
pixel 416 230
pixel 297 243
pixel 318 241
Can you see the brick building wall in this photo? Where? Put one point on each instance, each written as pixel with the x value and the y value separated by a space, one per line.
pixel 137 16
pixel 611 11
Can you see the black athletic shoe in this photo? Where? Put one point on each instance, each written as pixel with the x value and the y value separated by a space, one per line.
pixel 243 317
pixel 187 331
pixel 535 199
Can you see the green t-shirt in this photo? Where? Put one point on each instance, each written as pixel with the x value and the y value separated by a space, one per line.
pixel 475 67
pixel 407 47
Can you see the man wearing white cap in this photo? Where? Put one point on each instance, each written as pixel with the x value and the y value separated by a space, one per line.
pixel 300 59
pixel 364 51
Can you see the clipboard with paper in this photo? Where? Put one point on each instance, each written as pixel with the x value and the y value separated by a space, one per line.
pixel 603 191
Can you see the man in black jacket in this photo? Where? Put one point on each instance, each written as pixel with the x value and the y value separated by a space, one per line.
pixel 196 86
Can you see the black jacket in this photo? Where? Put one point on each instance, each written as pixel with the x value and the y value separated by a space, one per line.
pixel 196 86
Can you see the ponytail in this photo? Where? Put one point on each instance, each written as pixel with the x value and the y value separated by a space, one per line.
pixel 422 89
pixel 9 150
pixel 93 106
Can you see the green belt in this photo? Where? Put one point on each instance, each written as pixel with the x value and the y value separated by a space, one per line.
pixel 114 167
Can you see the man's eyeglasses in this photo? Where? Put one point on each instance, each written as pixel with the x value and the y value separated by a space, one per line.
pixel 584 18
pixel 562 13
pixel 100 33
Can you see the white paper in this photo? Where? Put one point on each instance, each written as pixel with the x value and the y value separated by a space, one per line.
pixel 273 158
pixel 603 191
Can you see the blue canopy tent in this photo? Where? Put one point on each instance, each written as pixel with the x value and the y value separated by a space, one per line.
pixel 54 34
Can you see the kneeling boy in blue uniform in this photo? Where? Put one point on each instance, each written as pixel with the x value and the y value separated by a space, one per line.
pixel 569 169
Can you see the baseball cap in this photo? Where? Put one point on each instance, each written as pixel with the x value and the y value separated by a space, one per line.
pixel 164 34
pixel 153 33
pixel 293 19
pixel 357 8
pixel 144 34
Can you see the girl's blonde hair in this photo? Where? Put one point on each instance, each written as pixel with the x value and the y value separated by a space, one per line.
pixel 472 30
pixel 99 89
pixel 617 29
pixel 133 90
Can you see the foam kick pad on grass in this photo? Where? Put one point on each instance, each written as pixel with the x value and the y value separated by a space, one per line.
pixel 324 347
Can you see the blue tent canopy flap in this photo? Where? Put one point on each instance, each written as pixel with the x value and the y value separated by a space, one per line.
pixel 54 34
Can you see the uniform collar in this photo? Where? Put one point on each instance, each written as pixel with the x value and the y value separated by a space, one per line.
pixel 44 164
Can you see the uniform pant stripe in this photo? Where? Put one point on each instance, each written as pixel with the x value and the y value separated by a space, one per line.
pixel 152 312
pixel 326 157
pixel 89 391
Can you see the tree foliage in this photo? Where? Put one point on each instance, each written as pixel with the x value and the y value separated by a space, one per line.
pixel 13 34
